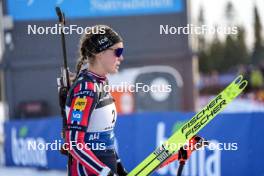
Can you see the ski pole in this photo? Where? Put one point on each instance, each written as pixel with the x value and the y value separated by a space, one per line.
pixel 181 166
pixel 195 143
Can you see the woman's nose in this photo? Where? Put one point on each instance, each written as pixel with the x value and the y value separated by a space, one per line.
pixel 121 58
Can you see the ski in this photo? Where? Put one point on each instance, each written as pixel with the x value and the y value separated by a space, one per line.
pixel 190 128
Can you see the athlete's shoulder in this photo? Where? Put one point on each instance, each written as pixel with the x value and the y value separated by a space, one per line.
pixel 84 78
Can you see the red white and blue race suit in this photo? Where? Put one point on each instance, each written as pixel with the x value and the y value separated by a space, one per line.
pixel 91 117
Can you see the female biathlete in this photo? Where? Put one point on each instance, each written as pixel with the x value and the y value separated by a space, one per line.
pixel 91 112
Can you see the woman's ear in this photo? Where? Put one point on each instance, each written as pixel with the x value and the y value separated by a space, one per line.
pixel 99 56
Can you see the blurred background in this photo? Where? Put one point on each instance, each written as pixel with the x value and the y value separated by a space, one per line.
pixel 196 65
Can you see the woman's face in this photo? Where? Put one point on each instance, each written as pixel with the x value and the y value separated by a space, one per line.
pixel 108 59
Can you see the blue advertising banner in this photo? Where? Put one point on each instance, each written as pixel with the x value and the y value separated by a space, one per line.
pixel 38 10
pixel 235 143
pixel 27 143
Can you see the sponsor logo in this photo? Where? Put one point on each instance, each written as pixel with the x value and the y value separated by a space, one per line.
pixel 77 116
pixel 203 117
pixel 94 136
pixel 80 104
pixel 21 154
pixel 89 93
pixel 103 40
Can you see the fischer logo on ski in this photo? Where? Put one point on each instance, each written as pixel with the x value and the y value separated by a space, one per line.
pixel 189 129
